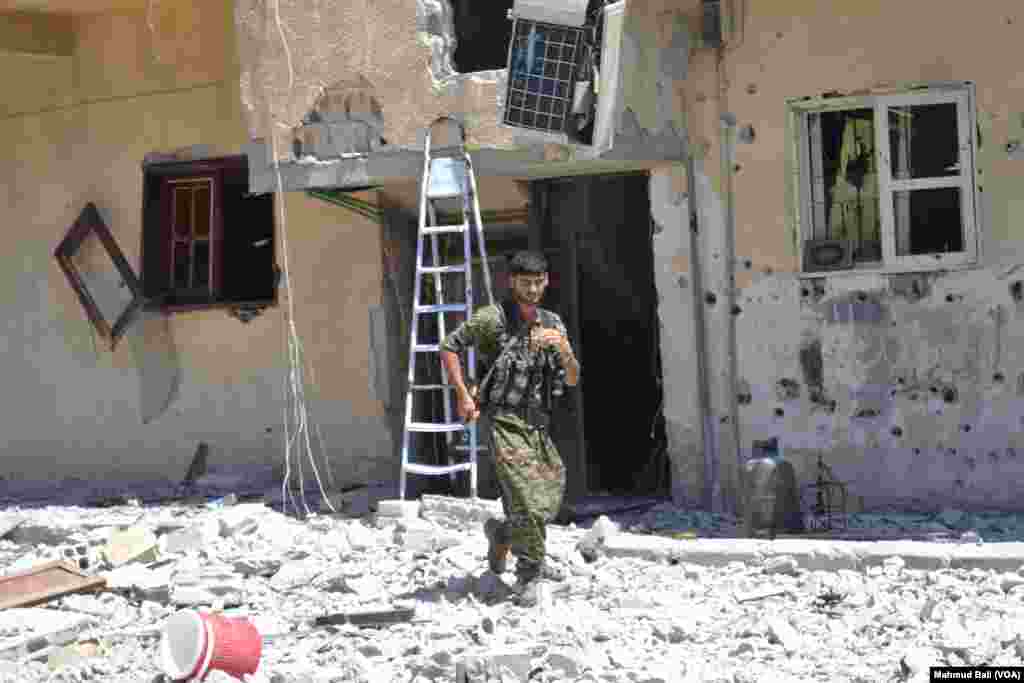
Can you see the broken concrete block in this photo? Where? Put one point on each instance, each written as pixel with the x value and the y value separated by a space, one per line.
pixel 458 512
pixel 401 509
pixel 257 565
pixel 295 573
pixel 360 537
pixel 494 668
pixel 422 536
pixel 142 583
pixel 242 519
pixel 136 544
pixel 208 586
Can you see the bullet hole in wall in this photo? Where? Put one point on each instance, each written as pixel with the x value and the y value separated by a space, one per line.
pixel 952 451
pixel 896 431
pixel 862 297
pixel 787 389
pixel 966 428
pixel 804 292
pixel 268 430
pixel 748 264
pixel 710 298
pixel 752 89
pixel 1017 291
pixel 736 310
pixel 950 395
pixel 959 483
pixel 736 168
pixel 779 412
pixel 998 377
pixel 744 398
pixel 917 451
pixel 993 455
pixel 812 363
pixel 724 420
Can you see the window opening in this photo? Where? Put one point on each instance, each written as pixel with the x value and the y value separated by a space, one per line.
pixel 542 74
pixel 890 184
pixel 482 32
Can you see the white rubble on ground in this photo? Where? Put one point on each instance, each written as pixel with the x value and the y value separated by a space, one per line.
pixel 613 619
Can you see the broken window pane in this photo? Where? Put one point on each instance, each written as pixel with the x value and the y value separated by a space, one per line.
pixel 844 180
pixel 101 278
pixel 928 221
pixel 923 141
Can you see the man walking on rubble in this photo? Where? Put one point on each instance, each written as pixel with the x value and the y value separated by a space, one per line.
pixel 528 360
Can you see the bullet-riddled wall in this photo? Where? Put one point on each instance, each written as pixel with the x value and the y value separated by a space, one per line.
pixel 120 86
pixel 918 399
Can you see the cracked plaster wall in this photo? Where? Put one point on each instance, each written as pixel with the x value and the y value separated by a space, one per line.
pixel 399 51
pixel 912 388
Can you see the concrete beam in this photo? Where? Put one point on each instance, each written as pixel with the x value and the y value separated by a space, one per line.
pixel 396 165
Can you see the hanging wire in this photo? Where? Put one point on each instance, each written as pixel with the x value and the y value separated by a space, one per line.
pixel 295 389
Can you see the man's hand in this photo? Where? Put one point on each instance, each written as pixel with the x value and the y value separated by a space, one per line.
pixel 549 337
pixel 467 408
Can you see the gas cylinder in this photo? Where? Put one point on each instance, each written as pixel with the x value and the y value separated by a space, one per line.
pixel 771 498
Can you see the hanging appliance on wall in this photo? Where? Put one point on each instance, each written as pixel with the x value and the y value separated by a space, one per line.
pixel 543 56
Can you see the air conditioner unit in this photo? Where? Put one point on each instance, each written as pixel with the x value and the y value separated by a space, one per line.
pixel 823 255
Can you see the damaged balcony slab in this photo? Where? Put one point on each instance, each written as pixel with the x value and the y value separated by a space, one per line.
pixel 636 151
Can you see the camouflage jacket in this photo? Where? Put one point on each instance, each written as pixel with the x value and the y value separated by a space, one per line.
pixel 524 378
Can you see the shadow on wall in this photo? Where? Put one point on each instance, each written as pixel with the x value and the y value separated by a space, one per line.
pixel 158 362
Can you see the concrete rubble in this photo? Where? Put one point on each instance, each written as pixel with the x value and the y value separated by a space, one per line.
pixel 636 606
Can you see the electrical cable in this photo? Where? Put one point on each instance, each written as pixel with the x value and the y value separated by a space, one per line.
pixel 296 354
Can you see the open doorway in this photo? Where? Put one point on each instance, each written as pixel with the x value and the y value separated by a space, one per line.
pixel 598 233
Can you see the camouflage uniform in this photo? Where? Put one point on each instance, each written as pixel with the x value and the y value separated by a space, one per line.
pixel 518 400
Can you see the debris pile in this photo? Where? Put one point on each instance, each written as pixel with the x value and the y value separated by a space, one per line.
pixel 404 595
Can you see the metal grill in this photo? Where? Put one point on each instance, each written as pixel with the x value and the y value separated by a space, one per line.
pixel 541 79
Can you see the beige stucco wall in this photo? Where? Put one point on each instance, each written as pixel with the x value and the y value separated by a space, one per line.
pixel 392 46
pixel 134 85
pixel 960 334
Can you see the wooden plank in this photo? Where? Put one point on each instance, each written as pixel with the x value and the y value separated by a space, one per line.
pixel 45 582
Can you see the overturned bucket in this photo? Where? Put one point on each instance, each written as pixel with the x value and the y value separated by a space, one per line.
pixel 194 643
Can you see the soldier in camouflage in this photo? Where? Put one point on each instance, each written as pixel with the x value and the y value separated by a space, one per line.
pixel 529 361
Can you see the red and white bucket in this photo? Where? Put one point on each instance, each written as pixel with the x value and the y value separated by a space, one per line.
pixel 194 643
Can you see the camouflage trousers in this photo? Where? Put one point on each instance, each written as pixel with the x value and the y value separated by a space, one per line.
pixel 532 479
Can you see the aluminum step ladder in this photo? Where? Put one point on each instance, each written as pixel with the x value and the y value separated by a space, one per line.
pixel 447 176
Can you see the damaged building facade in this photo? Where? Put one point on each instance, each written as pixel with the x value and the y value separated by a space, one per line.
pixel 765 219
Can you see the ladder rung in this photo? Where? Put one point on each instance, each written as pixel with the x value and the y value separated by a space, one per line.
pixel 428 387
pixel 442 308
pixel 437 469
pixel 439 229
pixel 436 427
pixel 443 269
pixel 426 348
pixel 463 448
pixel 435 196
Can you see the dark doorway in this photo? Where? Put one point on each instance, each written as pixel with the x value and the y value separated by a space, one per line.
pixel 483 31
pixel 598 231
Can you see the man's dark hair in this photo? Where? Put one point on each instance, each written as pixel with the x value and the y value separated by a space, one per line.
pixel 527 263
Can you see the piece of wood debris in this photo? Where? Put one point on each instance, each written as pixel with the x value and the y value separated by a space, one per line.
pixel 761 594
pixel 45 582
pixel 368 618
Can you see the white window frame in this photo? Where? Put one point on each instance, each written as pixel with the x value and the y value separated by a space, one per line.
pixel 962 95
